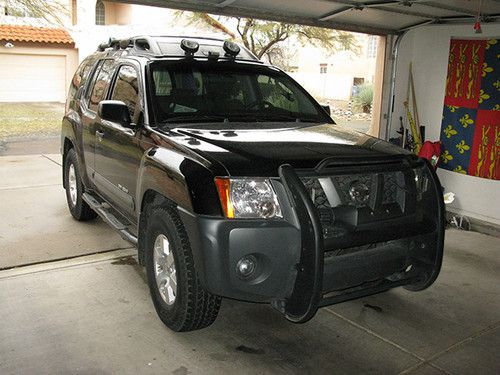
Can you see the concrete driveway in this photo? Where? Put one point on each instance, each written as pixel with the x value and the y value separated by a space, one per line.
pixel 35 225
pixel 91 314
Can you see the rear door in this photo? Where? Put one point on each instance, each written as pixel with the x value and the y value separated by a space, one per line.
pixel 118 150
pixel 96 91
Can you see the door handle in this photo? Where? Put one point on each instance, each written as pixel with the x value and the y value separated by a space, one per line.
pixel 99 135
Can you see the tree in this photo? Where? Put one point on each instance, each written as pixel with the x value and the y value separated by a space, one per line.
pixel 50 11
pixel 265 38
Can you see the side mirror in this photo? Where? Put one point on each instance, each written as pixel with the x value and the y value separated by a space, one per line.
pixel 326 107
pixel 114 111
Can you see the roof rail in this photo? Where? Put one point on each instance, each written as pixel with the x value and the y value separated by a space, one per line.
pixel 190 37
pixel 111 43
pixel 139 43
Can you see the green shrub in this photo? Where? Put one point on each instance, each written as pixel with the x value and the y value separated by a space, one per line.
pixel 364 99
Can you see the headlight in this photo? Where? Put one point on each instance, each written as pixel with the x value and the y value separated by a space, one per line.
pixel 248 198
pixel 421 181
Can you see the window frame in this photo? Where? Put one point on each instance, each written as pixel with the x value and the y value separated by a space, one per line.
pixel 371 48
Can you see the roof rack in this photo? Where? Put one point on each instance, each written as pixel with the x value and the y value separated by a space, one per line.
pixel 149 45
pixel 139 43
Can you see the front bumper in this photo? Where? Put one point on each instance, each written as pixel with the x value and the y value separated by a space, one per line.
pixel 218 244
pixel 298 270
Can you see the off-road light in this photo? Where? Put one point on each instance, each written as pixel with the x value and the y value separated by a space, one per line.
pixel 231 48
pixel 359 192
pixel 189 46
pixel 246 266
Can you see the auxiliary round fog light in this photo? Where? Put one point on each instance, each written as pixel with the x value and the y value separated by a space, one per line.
pixel 189 46
pixel 246 266
pixel 232 49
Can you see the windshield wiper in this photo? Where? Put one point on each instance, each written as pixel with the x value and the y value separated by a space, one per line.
pixel 194 118
pixel 270 117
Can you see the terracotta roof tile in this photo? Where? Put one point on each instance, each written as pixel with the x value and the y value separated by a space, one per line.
pixel 21 33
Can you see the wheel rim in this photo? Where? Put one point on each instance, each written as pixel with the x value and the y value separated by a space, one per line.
pixel 164 267
pixel 72 184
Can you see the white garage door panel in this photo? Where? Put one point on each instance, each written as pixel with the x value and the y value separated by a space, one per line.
pixel 32 78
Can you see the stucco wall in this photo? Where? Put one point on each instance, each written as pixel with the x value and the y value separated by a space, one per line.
pixel 427 48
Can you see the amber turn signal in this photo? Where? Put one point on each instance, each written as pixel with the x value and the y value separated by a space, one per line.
pixel 223 187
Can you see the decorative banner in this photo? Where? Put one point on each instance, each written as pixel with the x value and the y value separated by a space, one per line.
pixel 470 131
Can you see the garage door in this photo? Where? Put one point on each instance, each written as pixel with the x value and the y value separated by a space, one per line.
pixel 32 78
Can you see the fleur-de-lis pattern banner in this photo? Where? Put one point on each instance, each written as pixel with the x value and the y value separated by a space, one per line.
pixel 470 131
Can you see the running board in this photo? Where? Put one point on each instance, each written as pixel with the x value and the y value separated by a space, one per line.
pixel 106 213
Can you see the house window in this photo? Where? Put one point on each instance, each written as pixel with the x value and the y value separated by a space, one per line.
pixel 371 51
pixel 323 68
pixel 100 13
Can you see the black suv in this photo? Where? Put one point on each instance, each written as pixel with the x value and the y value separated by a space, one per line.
pixel 234 182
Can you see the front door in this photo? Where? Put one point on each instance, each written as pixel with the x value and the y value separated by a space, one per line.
pixel 118 151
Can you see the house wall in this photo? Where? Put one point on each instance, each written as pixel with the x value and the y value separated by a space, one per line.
pixel 117 14
pixel 122 21
pixel 427 48
pixel 342 68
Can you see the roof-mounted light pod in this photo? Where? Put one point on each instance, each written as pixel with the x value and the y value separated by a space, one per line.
pixel 189 46
pixel 125 43
pixel 231 48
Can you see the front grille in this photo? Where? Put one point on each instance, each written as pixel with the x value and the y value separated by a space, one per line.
pixel 387 187
pixel 351 200
pixel 316 193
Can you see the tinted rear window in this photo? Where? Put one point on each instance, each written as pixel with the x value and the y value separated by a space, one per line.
pixel 81 76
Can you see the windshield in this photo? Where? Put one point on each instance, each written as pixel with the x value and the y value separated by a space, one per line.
pixel 207 92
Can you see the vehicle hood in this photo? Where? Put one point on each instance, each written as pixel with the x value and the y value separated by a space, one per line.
pixel 251 152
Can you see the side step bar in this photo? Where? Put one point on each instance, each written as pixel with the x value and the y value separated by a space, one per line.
pixel 109 217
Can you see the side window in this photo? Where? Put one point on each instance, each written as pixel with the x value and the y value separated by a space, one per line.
pixel 92 78
pixel 127 88
pixel 101 84
pixel 80 77
pixel 276 93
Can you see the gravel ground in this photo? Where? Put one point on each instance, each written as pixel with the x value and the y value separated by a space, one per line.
pixel 30 119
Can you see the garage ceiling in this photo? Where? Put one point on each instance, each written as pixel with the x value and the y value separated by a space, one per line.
pixel 371 16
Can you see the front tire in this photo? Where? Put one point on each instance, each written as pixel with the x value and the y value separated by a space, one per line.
pixel 178 297
pixel 79 209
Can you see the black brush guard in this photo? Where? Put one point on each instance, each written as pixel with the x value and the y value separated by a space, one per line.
pixel 308 292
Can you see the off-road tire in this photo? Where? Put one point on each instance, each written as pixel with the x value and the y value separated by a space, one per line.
pixel 80 210
pixel 194 307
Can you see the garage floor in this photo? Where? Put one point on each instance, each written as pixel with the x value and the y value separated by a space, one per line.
pixel 91 314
